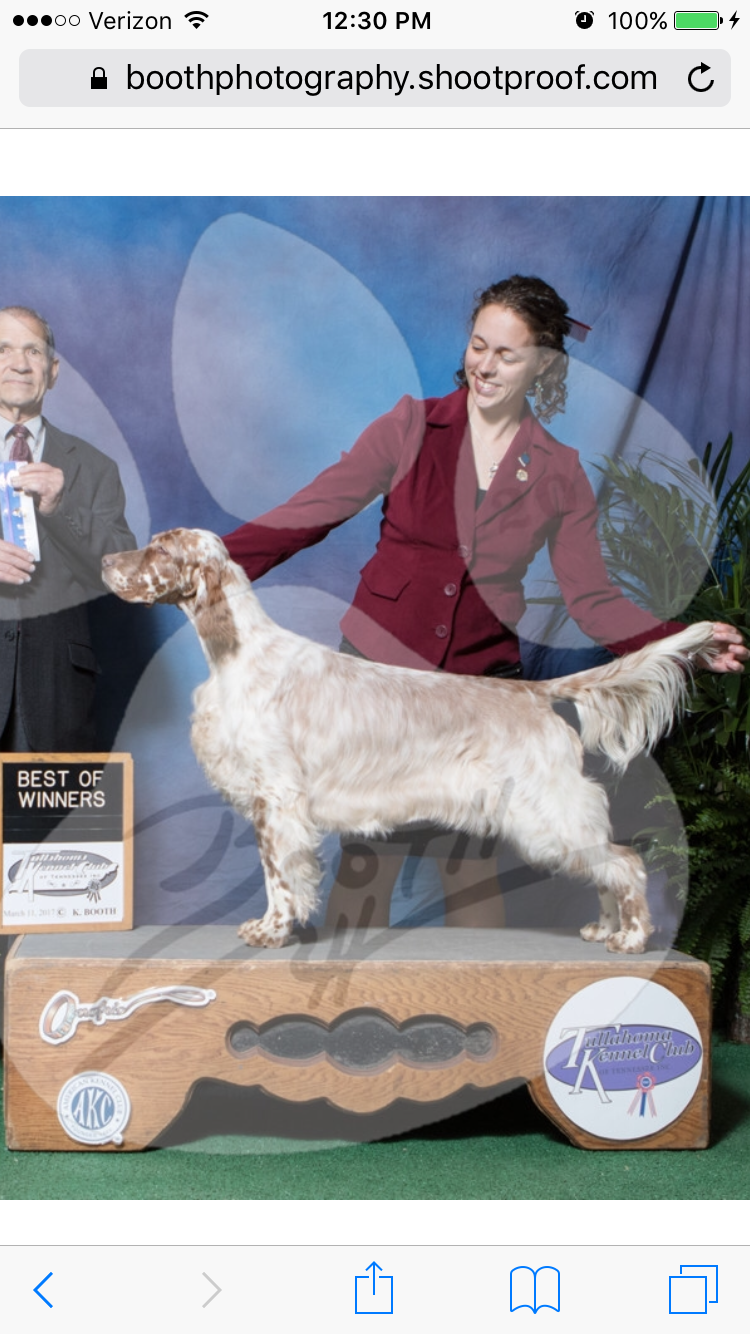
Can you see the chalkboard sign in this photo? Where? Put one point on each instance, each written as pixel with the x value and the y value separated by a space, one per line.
pixel 66 834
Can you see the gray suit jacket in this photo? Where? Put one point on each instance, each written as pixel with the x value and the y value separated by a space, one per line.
pixel 45 643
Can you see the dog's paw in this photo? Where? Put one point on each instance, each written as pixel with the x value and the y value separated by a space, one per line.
pixel 266 933
pixel 627 942
pixel 596 931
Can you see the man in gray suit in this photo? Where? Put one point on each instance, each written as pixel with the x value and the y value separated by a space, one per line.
pixel 47 664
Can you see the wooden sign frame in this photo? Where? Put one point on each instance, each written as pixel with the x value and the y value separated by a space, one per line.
pixel 66 842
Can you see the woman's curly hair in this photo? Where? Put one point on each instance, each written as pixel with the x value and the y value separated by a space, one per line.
pixel 546 316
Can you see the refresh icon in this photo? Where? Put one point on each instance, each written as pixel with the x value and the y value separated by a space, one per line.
pixel 701 69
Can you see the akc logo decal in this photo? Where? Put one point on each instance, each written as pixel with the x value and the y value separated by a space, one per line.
pixel 623 1058
pixel 93 1108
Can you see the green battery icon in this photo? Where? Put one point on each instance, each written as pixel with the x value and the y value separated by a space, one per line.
pixel 691 20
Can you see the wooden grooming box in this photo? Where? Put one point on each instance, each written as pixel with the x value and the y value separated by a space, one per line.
pixel 363 1021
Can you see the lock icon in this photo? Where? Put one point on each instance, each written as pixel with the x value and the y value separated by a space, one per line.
pixel 98 78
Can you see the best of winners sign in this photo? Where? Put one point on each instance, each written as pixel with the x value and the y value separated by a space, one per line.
pixel 66 832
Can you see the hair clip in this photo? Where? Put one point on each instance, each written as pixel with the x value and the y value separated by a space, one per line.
pixel 578 330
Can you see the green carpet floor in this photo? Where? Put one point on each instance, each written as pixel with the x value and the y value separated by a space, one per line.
pixel 504 1150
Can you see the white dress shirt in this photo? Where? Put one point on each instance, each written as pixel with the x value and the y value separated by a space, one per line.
pixel 35 427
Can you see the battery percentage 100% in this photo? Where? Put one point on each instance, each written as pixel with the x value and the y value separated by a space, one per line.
pixel 641 20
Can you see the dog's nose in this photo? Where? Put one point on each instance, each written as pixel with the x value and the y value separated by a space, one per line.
pixel 109 560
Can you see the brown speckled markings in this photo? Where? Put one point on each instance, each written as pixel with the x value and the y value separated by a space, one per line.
pixel 621 881
pixel 274 927
pixel 302 740
pixel 214 620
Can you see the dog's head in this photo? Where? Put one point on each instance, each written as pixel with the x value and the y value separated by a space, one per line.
pixel 183 566
pixel 189 567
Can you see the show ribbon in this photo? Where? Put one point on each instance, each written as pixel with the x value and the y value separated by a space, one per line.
pixel 645 1084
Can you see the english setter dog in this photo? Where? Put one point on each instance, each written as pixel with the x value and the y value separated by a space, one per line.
pixel 301 739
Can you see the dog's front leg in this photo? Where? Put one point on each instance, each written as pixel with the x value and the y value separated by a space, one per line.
pixel 287 845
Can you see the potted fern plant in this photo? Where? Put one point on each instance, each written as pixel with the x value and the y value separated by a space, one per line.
pixel 663 538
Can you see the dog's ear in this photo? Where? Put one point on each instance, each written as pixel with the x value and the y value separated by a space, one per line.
pixel 208 582
pixel 213 614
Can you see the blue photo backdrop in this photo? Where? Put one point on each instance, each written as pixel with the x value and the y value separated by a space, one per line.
pixel 224 350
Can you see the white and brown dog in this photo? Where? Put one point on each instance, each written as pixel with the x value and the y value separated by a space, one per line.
pixel 301 740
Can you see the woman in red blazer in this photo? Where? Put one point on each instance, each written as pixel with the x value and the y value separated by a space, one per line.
pixel 473 487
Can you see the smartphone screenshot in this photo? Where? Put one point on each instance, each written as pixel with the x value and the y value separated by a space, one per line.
pixel 375 503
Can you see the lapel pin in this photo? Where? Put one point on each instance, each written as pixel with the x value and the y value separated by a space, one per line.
pixel 522 475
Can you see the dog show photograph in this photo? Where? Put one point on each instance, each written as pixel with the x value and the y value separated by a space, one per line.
pixel 408 587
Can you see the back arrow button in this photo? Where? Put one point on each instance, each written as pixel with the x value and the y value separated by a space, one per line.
pixel 41 1285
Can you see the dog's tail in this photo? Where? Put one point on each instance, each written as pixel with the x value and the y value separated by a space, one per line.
pixel 625 706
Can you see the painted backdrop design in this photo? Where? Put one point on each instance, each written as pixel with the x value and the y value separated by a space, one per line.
pixel 224 350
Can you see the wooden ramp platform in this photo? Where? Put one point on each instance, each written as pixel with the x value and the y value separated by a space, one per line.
pixel 614 1048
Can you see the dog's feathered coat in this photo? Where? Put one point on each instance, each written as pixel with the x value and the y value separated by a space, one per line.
pixel 301 740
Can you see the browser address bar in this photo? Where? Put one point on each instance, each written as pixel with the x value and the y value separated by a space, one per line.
pixel 351 78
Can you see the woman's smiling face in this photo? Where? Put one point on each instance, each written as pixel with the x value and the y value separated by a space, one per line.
pixel 501 362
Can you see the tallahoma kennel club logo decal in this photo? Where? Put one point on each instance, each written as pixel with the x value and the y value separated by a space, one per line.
pixel 623 1058
pixel 93 1108
pixel 64 873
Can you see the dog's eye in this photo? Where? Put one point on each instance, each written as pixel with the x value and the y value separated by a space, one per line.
pixel 160 550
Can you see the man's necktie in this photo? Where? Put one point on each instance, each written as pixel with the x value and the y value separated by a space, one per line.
pixel 20 452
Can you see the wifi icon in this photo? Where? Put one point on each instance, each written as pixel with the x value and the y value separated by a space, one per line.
pixel 196 17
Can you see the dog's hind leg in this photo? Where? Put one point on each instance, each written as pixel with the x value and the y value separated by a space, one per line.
pixel 618 872
pixel 287 846
pixel 620 877
pixel 567 829
pixel 609 918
